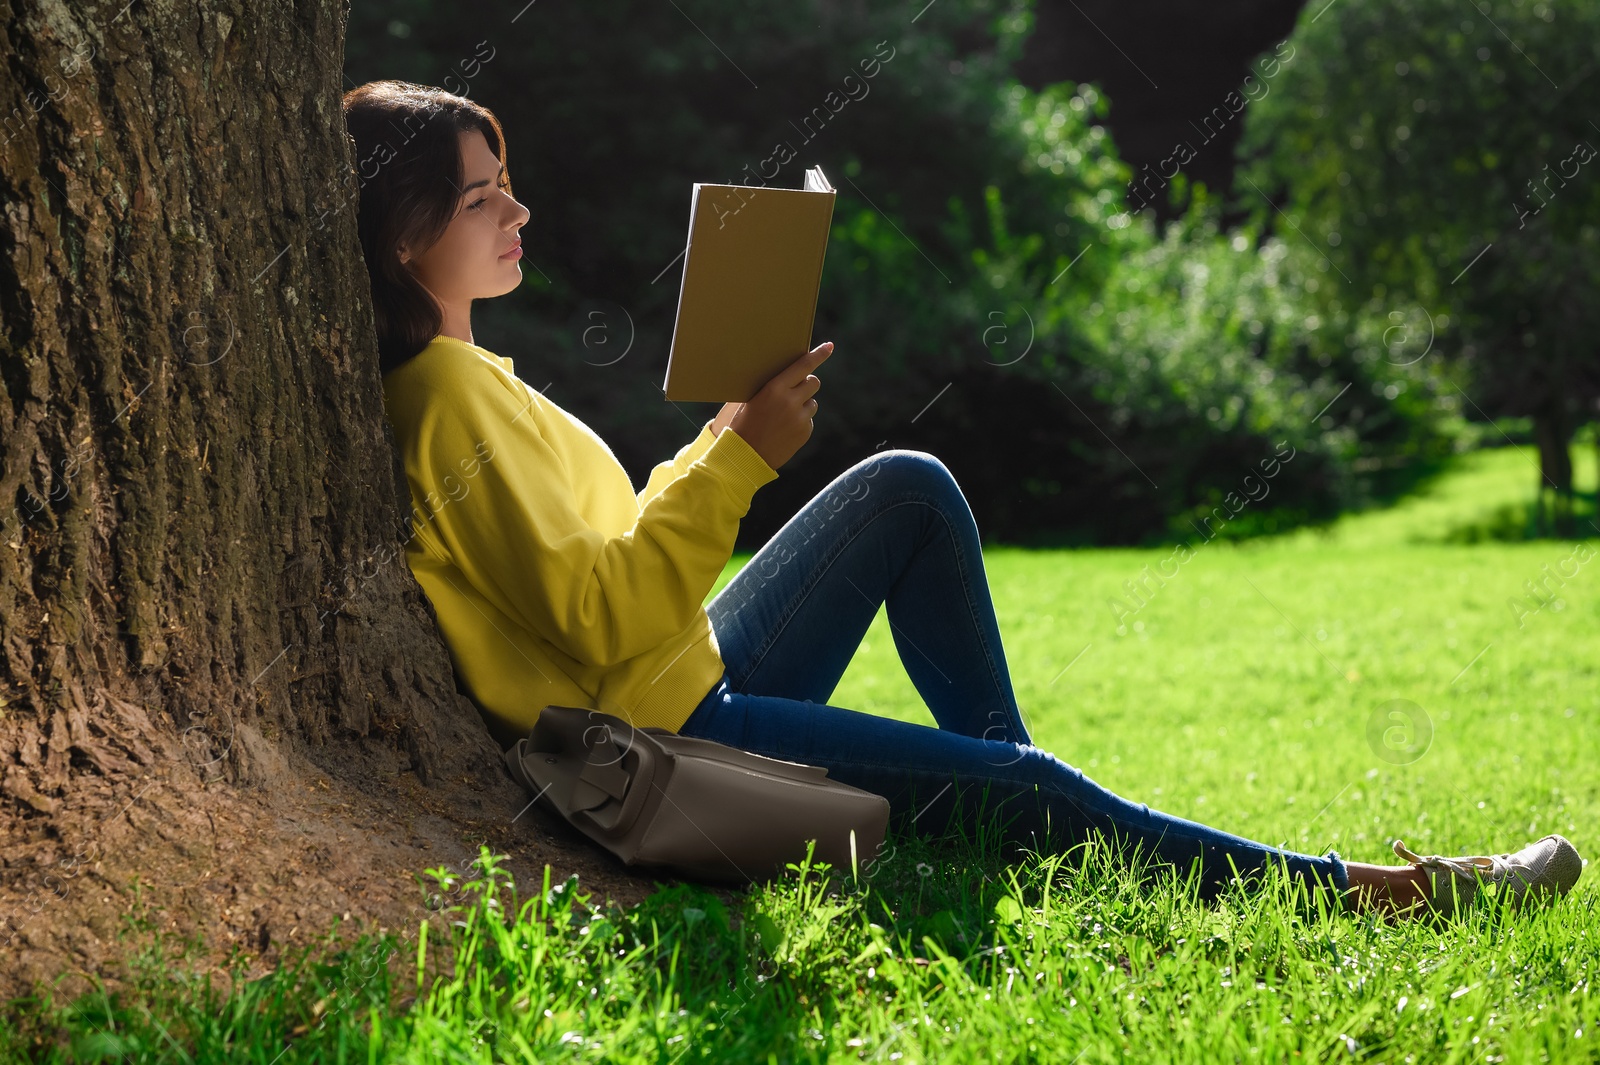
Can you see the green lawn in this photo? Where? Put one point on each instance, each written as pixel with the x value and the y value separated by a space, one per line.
pixel 1254 690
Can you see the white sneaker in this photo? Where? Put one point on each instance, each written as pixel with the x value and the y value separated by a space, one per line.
pixel 1541 871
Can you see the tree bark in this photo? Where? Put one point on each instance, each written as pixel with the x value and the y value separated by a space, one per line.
pixel 201 505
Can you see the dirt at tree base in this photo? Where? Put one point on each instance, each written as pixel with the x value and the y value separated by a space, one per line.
pixel 263 871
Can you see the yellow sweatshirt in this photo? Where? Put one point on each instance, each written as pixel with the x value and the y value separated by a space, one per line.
pixel 553 581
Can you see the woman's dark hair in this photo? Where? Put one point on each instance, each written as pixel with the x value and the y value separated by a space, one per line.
pixel 408 165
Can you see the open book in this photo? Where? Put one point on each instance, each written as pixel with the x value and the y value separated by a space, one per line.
pixel 751 274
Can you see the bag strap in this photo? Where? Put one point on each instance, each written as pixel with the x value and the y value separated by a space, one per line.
pixel 571 759
pixel 598 783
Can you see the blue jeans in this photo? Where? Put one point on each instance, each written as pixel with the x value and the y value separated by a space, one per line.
pixel 895 529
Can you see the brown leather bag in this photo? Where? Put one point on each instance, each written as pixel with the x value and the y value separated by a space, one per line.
pixel 707 810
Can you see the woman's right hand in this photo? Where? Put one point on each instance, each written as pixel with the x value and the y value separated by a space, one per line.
pixel 776 421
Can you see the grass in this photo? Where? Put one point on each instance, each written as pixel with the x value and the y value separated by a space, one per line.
pixel 1256 688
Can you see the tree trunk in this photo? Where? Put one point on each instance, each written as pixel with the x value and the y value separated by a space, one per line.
pixel 201 571
pixel 1552 433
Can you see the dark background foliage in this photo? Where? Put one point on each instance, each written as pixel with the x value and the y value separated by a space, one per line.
pixel 1089 374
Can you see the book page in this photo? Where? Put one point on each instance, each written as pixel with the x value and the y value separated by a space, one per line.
pixel 816 182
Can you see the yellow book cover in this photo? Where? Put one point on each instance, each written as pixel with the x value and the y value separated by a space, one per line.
pixel 748 295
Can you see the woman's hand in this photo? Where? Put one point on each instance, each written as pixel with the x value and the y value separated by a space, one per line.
pixel 724 417
pixel 776 421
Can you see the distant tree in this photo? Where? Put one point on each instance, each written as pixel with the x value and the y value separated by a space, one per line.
pixel 1445 154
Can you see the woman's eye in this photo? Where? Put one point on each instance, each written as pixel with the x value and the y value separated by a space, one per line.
pixel 481 202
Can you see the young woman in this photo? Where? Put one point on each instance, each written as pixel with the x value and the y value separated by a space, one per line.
pixel 556 583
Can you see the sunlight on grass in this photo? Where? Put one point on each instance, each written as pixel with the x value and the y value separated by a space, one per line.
pixel 1486 495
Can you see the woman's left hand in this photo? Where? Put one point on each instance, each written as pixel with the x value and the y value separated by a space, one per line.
pixel 724 417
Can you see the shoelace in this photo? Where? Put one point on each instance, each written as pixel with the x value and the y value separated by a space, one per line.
pixel 1494 866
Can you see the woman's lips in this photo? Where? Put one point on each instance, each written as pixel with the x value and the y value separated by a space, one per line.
pixel 514 253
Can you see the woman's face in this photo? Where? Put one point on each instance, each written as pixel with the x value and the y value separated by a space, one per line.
pixel 469 261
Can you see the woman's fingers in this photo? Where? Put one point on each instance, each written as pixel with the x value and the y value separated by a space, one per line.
pixel 797 371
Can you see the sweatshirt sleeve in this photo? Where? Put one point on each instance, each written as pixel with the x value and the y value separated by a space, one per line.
pixel 674 467
pixel 517 534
